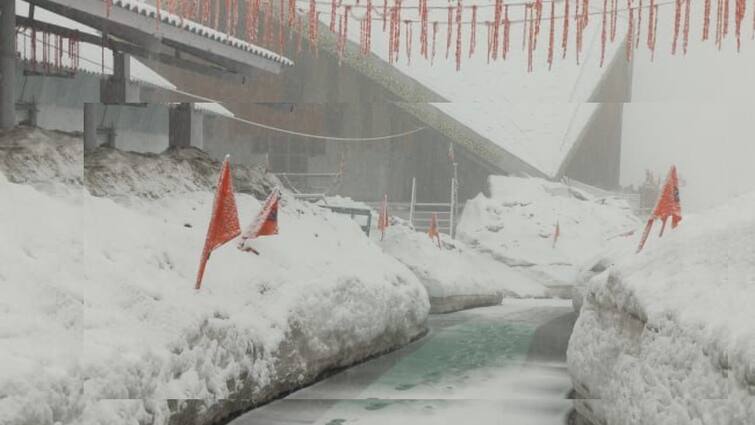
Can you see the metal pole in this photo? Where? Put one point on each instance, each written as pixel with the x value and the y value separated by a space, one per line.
pixel 8 64
pixel 451 209
pixel 413 201
pixel 455 204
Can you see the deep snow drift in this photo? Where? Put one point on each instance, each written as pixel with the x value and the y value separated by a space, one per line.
pixel 100 324
pixel 516 225
pixel 668 336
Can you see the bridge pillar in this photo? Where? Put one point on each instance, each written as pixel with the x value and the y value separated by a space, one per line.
pixel 186 127
pixel 8 63
pixel 118 89
pixel 90 126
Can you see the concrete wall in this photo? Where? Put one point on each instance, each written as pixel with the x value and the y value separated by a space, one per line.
pixel 596 156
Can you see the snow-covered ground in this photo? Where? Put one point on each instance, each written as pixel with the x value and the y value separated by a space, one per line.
pixel 668 336
pixel 455 276
pixel 456 272
pixel 100 324
pixel 516 225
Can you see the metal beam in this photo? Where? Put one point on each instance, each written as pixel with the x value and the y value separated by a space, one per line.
pixel 8 64
pixel 142 30
pixel 122 46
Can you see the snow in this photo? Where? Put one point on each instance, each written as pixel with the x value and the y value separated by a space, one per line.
pixel 517 222
pixel 456 269
pixel 109 329
pixel 668 336
pixel 214 108
pixel 536 115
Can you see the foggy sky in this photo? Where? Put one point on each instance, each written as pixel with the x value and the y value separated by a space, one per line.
pixel 697 112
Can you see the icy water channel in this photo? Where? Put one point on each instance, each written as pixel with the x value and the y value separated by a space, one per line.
pixel 494 365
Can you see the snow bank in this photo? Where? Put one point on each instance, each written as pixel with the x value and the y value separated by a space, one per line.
pixel 456 277
pixel 100 324
pixel 517 222
pixel 668 336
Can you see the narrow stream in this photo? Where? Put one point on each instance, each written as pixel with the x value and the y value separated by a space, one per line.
pixel 494 365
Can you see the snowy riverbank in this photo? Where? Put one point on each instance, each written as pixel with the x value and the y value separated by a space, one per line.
pixel 99 320
pixel 668 336
pixel 516 225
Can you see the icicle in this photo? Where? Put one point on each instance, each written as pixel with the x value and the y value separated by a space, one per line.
pixel 531 38
pixel 333 9
pixel 719 22
pixel 458 36
pixel 677 24
pixel 449 30
pixel 473 34
pixel 216 23
pixel 496 27
pixel 630 30
pixel 281 33
pixel 603 35
pixel 740 14
pixel 409 38
pixel 368 28
pixel 291 13
pixel 614 17
pixel 269 25
pixel 435 33
pixel 655 32
pixel 639 27
pixel 525 23
pixel 685 44
pixel 551 36
pixel 506 32
pixel 312 15
pixel 537 18
pixel 578 33
pixel 489 29
pixel 300 30
pixel 565 39
pixel 651 17
pixel 385 13
pixel 706 21
pixel 423 12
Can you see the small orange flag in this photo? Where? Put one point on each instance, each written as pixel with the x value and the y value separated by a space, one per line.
pixel 383 222
pixel 556 234
pixel 224 224
pixel 266 222
pixel 668 205
pixel 433 232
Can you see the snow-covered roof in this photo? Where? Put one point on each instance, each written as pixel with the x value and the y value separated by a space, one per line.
pixel 142 8
pixel 536 116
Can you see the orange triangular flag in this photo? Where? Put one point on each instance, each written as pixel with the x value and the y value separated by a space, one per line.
pixel 433 231
pixel 383 222
pixel 668 205
pixel 224 224
pixel 266 222
pixel 556 234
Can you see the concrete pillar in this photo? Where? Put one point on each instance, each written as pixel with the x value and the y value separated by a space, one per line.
pixel 118 89
pixel 90 126
pixel 186 127
pixel 8 64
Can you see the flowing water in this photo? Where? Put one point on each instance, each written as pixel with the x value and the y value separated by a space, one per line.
pixel 494 365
